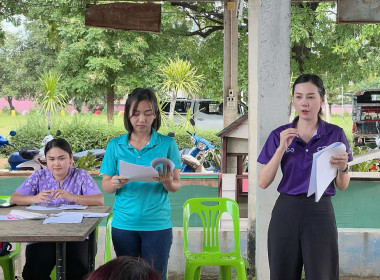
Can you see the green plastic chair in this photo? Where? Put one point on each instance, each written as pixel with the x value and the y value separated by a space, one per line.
pixel 108 244
pixel 7 261
pixel 210 211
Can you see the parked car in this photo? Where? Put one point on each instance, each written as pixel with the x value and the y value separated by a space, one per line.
pixel 207 113
pixel 366 117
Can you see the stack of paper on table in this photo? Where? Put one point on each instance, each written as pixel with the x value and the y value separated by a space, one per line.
pixel 135 172
pixel 58 207
pixel 65 218
pixel 26 215
pixel 322 172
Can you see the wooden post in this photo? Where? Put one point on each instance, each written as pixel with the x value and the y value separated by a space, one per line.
pixel 230 88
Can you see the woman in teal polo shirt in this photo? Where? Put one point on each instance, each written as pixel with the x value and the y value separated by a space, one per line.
pixel 141 225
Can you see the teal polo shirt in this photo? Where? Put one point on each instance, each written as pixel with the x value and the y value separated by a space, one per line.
pixel 140 205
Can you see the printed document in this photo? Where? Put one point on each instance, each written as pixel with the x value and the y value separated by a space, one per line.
pixel 322 172
pixel 135 172
pixel 59 207
pixel 64 218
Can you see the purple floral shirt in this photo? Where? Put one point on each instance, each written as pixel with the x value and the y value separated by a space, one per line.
pixel 77 181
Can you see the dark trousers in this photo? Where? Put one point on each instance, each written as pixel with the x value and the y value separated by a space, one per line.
pixel 303 232
pixel 41 259
pixel 153 246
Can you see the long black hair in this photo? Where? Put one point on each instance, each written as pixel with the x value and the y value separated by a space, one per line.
pixel 134 98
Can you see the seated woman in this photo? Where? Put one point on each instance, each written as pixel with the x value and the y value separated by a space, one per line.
pixel 59 183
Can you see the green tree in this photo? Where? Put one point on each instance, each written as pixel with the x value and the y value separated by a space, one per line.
pixel 93 62
pixel 179 77
pixel 23 57
pixel 341 54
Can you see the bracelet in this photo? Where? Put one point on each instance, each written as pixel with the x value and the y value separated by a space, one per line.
pixel 77 198
pixel 345 171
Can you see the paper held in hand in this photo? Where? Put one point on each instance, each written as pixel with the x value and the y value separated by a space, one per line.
pixel 322 172
pixel 135 172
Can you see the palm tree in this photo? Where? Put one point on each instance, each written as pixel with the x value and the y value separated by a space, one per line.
pixel 51 101
pixel 179 76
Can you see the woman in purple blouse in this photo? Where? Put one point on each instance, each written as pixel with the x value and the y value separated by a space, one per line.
pixel 58 184
pixel 302 232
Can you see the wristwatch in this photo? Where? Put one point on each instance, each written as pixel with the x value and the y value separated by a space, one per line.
pixel 345 171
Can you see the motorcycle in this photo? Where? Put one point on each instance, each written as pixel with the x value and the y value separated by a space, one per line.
pixel 4 141
pixel 30 158
pixel 194 159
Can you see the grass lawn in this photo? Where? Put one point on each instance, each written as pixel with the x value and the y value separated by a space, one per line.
pixel 345 123
pixel 8 123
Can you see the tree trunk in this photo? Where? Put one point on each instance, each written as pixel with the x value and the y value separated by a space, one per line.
pixel 110 104
pixel 330 108
pixel 300 52
pixel 78 105
pixel 11 107
pixel 92 107
pixel 172 106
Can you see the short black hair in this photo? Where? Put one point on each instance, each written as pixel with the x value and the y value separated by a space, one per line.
pixel 134 98
pixel 58 143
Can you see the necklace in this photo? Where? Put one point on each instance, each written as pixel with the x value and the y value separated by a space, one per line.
pixel 139 144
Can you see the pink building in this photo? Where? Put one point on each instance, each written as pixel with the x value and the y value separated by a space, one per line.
pixel 27 105
pixel 20 105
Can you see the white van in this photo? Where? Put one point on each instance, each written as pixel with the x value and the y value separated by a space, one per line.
pixel 207 113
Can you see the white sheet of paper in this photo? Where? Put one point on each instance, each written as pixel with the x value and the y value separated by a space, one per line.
pixel 42 207
pixel 135 172
pixel 21 214
pixel 59 207
pixel 322 172
pixel 64 218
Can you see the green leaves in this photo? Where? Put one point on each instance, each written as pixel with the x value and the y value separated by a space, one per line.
pixel 343 53
pixel 88 162
pixel 363 166
pixel 178 76
pixel 51 101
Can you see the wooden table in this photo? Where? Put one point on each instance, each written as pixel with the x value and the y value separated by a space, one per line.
pixel 36 231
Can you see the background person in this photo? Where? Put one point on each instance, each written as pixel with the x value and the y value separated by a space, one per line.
pixel 124 268
pixel 58 184
pixel 141 225
pixel 303 232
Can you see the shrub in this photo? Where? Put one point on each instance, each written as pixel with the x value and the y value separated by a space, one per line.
pixel 89 132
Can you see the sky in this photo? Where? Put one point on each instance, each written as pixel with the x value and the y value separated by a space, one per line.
pixel 8 26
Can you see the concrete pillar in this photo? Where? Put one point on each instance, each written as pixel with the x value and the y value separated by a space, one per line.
pixel 268 99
